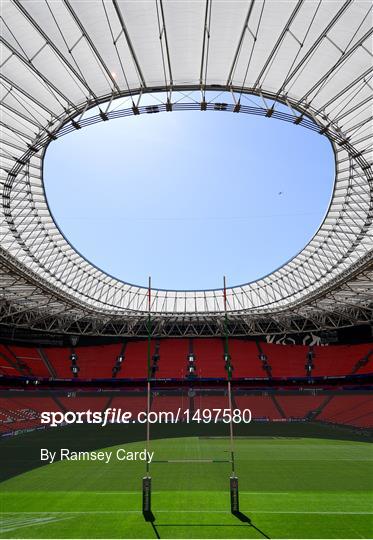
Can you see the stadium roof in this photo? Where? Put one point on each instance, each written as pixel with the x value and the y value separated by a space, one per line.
pixel 60 58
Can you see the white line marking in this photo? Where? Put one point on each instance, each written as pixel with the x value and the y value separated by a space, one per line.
pixel 160 492
pixel 332 512
pixel 9 525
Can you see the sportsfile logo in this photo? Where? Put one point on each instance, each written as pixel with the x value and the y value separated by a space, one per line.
pixel 103 418
pixel 118 416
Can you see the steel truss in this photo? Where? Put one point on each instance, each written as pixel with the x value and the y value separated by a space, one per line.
pixel 317 74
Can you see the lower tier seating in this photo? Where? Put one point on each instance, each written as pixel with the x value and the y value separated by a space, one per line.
pixel 299 406
pixel 350 410
pixel 23 412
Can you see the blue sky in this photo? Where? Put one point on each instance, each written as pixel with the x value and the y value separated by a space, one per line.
pixel 188 197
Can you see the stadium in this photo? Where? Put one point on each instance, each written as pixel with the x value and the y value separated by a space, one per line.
pixel 130 411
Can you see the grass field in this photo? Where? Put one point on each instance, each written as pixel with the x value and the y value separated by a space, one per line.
pixel 289 488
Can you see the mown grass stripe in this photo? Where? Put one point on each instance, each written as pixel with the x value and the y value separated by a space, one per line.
pixel 199 512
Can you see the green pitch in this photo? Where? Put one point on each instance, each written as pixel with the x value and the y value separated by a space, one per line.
pixel 289 488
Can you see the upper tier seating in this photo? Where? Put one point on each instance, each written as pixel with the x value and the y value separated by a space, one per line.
pixel 172 358
pixel 30 359
pixel 8 367
pixel 98 361
pixel 209 357
pixel 286 360
pixel 95 362
pixel 60 360
pixel 135 363
pixel 244 359
pixel 340 359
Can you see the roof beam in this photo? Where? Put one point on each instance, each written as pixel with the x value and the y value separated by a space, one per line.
pixel 316 43
pixel 27 95
pixel 206 32
pixel 240 43
pixel 342 59
pixel 166 43
pixel 53 47
pixel 347 88
pixel 278 42
pixel 129 43
pixel 91 44
pixel 21 115
pixel 29 65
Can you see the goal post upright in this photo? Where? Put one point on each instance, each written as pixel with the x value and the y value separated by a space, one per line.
pixel 233 480
pixel 149 328
pixel 146 482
